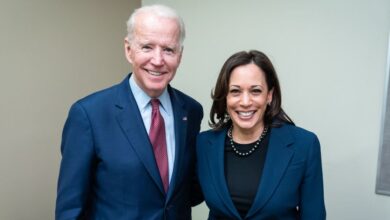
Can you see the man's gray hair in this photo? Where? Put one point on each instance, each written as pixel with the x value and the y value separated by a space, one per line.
pixel 158 10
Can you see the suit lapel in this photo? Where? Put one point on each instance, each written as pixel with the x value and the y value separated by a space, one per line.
pixel 278 157
pixel 130 120
pixel 216 166
pixel 180 123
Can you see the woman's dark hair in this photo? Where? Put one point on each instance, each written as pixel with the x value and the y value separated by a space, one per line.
pixel 274 115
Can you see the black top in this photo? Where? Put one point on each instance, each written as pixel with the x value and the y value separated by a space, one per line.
pixel 243 173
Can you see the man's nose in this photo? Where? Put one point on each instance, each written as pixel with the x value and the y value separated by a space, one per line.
pixel 157 58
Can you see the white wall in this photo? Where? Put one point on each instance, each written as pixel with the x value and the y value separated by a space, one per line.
pixel 331 60
pixel 52 53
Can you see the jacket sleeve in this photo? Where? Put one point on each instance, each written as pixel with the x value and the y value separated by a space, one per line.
pixel 312 205
pixel 76 165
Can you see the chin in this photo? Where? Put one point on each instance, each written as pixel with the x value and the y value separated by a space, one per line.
pixel 252 124
pixel 245 126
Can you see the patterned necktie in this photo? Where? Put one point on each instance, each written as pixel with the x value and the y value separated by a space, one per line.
pixel 157 138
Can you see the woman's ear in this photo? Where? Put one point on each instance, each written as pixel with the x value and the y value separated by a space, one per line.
pixel 270 96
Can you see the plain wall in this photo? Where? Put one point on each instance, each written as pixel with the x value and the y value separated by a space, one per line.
pixel 331 59
pixel 330 56
pixel 52 53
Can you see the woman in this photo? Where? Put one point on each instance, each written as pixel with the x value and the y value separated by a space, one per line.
pixel 255 163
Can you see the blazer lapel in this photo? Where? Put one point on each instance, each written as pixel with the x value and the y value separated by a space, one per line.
pixel 180 123
pixel 278 157
pixel 130 120
pixel 216 166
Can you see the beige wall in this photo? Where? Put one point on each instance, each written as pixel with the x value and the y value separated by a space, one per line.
pixel 331 59
pixel 330 55
pixel 52 52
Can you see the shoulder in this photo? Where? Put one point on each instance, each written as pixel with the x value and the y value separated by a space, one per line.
pixel 211 135
pixel 301 138
pixel 206 139
pixel 99 96
pixel 304 142
pixel 207 133
pixel 297 132
pixel 188 100
pixel 194 108
pixel 99 101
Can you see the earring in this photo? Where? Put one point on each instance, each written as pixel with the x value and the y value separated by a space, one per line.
pixel 227 117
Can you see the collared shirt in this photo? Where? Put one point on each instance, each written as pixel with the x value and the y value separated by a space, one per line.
pixel 145 108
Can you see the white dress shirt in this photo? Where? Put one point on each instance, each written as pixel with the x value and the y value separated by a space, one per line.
pixel 145 108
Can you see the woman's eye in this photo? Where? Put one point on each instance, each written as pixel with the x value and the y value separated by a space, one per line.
pixel 256 91
pixel 234 91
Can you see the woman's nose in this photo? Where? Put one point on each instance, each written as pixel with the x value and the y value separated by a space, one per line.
pixel 245 99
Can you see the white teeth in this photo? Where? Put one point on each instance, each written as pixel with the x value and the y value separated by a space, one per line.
pixel 155 73
pixel 246 114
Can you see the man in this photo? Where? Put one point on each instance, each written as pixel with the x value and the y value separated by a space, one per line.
pixel 113 165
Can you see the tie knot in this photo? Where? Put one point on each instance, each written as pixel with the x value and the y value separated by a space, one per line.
pixel 155 104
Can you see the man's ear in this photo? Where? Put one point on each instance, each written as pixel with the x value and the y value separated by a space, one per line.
pixel 128 50
pixel 181 53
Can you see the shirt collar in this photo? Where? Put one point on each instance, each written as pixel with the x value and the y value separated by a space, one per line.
pixel 143 99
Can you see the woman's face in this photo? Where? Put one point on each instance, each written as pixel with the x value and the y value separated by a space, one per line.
pixel 247 98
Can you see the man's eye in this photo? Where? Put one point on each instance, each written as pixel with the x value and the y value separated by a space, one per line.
pixel 146 47
pixel 169 50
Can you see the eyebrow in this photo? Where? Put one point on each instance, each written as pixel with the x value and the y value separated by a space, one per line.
pixel 146 42
pixel 253 86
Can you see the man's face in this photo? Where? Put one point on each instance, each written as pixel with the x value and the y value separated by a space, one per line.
pixel 154 52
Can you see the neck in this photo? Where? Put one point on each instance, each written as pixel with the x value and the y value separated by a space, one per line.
pixel 244 136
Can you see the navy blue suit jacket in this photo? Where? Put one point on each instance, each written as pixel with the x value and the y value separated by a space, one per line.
pixel 291 185
pixel 108 169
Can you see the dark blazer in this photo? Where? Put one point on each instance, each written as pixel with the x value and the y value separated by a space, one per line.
pixel 292 177
pixel 108 169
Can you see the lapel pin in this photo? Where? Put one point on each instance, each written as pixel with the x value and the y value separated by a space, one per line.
pixel 185 118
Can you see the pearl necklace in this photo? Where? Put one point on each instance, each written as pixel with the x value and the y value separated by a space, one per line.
pixel 244 154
